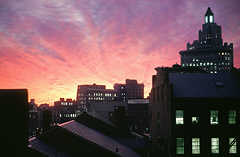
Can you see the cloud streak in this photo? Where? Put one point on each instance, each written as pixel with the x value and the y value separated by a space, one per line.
pixel 52 46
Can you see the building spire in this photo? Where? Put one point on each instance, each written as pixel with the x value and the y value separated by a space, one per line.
pixel 209 16
pixel 209 12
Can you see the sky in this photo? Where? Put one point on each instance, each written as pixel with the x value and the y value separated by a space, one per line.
pixel 51 46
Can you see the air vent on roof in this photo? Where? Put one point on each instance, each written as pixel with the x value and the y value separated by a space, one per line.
pixel 219 84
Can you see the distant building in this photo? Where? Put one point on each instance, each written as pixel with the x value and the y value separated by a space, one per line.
pixel 94 93
pixel 130 90
pixel 33 121
pixel 105 110
pixel 195 113
pixel 44 107
pixel 64 110
pixel 209 52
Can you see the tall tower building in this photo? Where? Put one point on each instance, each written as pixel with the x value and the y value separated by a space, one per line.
pixel 208 52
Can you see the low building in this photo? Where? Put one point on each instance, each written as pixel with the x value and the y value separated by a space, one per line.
pixel 196 113
pixel 14 122
pixel 64 110
pixel 88 136
pixel 138 118
pixel 33 115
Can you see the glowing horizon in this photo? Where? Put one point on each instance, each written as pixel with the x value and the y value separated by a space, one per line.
pixel 50 47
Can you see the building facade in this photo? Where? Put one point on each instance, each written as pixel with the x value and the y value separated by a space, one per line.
pixel 130 90
pixel 209 52
pixel 137 112
pixel 196 114
pixel 64 110
pixel 94 93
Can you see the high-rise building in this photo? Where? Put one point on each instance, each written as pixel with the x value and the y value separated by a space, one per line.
pixel 130 90
pixel 208 52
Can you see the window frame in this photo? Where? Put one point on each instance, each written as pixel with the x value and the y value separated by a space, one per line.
pixel 181 119
pixel 196 145
pixel 211 118
pixel 179 146
pixel 215 139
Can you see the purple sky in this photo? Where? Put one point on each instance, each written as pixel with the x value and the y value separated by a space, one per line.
pixel 51 46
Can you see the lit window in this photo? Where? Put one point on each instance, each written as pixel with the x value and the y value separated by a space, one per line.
pixel 232 117
pixel 214 117
pixel 179 117
pixel 179 145
pixel 211 19
pixel 195 145
pixel 233 148
pixel 195 120
pixel 206 19
pixel 215 145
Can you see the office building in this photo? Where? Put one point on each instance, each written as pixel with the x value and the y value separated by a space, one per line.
pixel 64 110
pixel 130 90
pixel 196 114
pixel 209 52
pixel 94 93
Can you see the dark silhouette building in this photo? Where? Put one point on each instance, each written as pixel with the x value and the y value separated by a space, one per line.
pixel 88 136
pixel 130 90
pixel 14 121
pixel 64 110
pixel 33 118
pixel 195 114
pixel 209 52
pixel 137 112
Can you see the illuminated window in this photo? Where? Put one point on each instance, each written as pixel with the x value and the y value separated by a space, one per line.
pixel 233 148
pixel 179 145
pixel 179 117
pixel 214 117
pixel 195 120
pixel 211 19
pixel 232 117
pixel 206 19
pixel 215 145
pixel 195 145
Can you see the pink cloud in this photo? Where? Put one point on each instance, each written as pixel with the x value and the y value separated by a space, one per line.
pixel 50 48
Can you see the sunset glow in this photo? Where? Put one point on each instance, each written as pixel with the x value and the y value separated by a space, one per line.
pixel 51 46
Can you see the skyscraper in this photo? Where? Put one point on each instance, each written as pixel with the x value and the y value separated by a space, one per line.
pixel 208 52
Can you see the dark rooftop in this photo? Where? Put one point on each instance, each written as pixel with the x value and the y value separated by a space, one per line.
pixel 203 85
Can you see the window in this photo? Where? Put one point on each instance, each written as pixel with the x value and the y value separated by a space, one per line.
pixel 214 117
pixel 215 145
pixel 179 117
pixel 232 117
pixel 195 145
pixel 211 19
pixel 195 120
pixel 233 148
pixel 206 19
pixel 179 145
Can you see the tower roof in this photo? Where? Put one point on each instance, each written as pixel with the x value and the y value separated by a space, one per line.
pixel 209 12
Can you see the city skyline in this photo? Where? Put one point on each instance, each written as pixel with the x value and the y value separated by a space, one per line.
pixel 52 47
